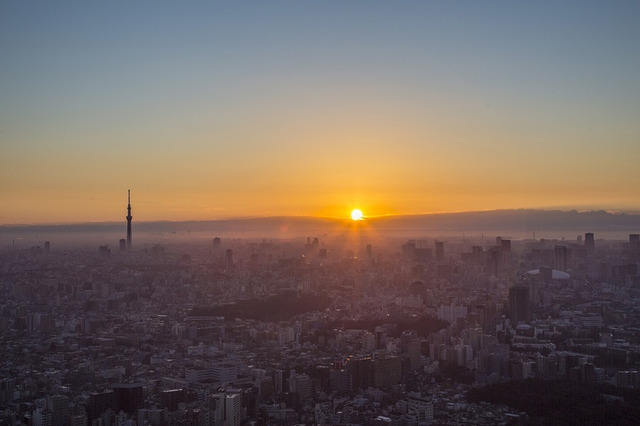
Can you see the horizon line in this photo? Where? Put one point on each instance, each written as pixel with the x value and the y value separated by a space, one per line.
pixel 331 218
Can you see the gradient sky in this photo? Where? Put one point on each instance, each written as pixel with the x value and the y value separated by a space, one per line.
pixel 211 110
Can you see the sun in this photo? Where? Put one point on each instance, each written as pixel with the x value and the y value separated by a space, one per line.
pixel 356 214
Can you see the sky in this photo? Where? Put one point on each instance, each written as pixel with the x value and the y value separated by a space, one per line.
pixel 213 110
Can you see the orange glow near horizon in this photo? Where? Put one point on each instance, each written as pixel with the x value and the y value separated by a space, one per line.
pixel 150 203
pixel 409 111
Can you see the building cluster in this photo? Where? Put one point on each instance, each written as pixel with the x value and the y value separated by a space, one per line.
pixel 334 330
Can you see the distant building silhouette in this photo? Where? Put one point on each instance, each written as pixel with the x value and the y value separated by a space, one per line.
pixel 519 304
pixel 228 255
pixel 123 244
pixel 104 251
pixel 439 250
pixel 409 250
pixel 129 217
pixel 560 258
pixel 589 242
pixel 634 247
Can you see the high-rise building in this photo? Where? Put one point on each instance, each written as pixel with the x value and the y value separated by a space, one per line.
pixel 634 247
pixel 233 409
pixel 128 397
pixel 41 417
pixel 361 370
pixel 129 217
pixel 340 380
pixel 411 346
pixel 408 250
pixel 7 387
pixel 59 407
pixel 589 242
pixel 171 399
pixel 387 371
pixel 439 250
pixel 302 385
pixel 99 403
pixel 519 303
pixel 560 258
pixel 217 409
pixel 279 381
pixel 228 255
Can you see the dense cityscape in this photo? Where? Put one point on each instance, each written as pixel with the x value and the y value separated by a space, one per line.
pixel 330 329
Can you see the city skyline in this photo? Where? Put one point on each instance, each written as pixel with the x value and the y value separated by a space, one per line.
pixel 215 111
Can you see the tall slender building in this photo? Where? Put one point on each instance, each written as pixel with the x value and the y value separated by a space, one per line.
pixel 129 217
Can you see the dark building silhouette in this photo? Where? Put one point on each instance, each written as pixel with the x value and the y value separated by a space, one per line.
pixel 7 387
pixel 128 397
pixel 589 242
pixel 493 263
pixel 123 244
pixel 387 370
pixel 216 243
pixel 104 251
pixel 172 398
pixel 422 254
pixel 634 247
pixel 519 304
pixel 129 217
pixel 409 250
pixel 410 346
pixel 99 403
pixel 59 407
pixel 361 370
pixel 228 255
pixel 560 258
pixel 439 250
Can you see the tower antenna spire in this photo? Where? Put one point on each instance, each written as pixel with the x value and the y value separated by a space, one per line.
pixel 129 217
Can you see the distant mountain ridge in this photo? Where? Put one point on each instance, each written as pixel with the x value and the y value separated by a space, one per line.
pixel 523 220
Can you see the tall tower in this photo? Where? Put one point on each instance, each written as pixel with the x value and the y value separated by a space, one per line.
pixel 129 217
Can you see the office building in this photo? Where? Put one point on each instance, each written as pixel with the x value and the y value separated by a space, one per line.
pixel 589 242
pixel 439 250
pixel 560 258
pixel 519 304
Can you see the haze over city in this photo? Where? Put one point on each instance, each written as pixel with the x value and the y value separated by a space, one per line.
pixel 224 110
